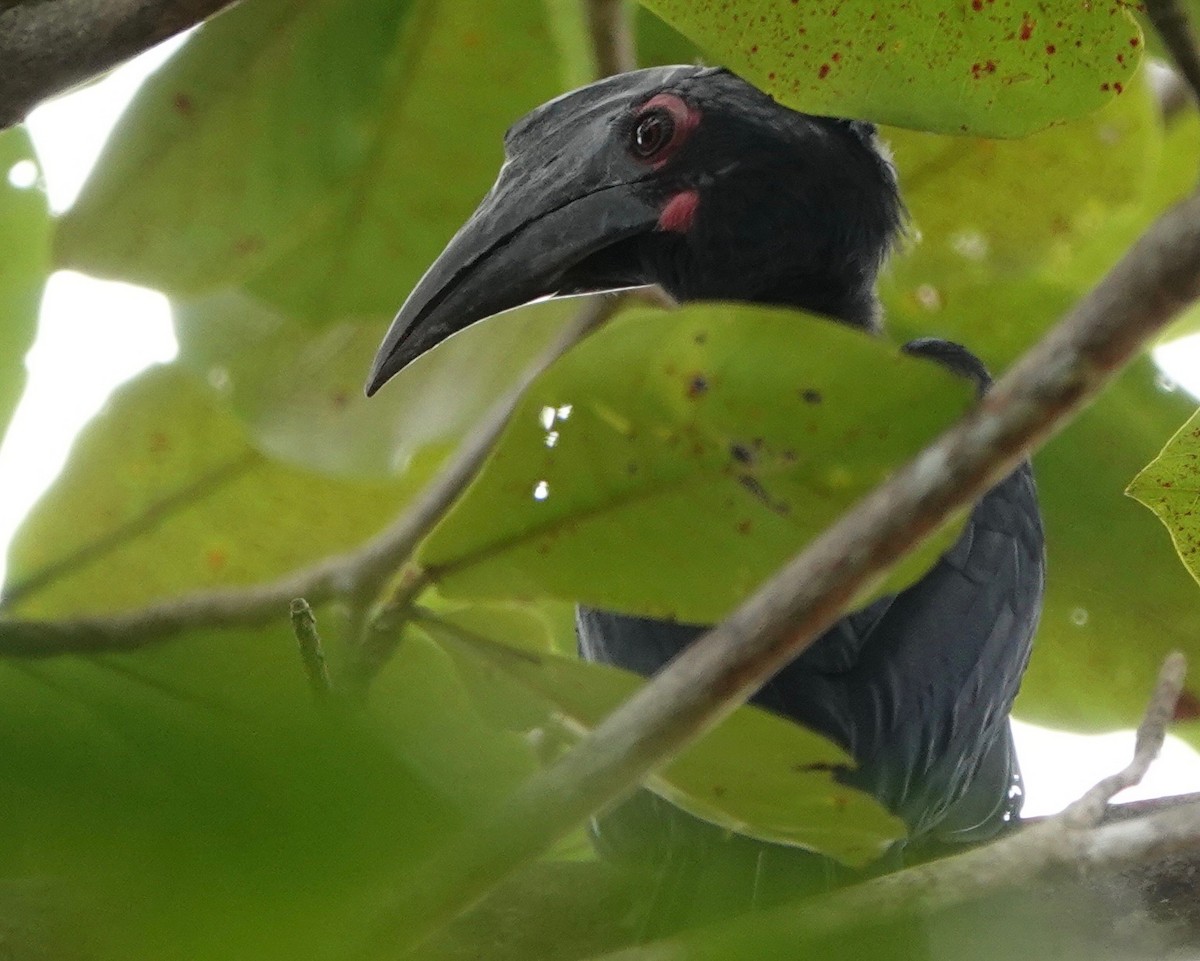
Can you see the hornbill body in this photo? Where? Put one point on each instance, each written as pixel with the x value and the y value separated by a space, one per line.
pixel 690 178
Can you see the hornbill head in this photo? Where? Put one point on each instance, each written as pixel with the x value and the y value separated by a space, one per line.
pixel 687 177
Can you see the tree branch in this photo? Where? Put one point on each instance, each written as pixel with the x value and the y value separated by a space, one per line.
pixel 1072 363
pixel 304 625
pixel 612 36
pixel 1076 841
pixel 1171 22
pixel 48 46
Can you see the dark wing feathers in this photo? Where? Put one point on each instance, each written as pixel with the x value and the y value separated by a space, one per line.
pixel 917 686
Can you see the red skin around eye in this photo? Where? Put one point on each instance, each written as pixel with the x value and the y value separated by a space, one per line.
pixel 679 212
pixel 686 118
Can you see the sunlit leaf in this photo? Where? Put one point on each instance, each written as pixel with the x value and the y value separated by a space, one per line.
pixel 953 66
pixel 24 261
pixel 1170 486
pixel 674 460
pixel 163 494
pixel 316 155
pixel 755 774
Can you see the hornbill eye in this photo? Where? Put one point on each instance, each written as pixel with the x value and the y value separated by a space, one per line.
pixel 653 131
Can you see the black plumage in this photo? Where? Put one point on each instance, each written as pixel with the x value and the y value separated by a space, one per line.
pixel 692 179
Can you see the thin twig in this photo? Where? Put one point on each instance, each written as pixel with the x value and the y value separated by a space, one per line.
pixel 304 624
pixel 1154 280
pixel 1089 810
pixel 49 46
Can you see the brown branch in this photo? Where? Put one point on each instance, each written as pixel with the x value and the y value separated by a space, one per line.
pixel 612 36
pixel 1077 841
pixel 1154 280
pixel 49 46
pixel 358 575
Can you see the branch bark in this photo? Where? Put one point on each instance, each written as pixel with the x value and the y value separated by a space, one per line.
pixel 1150 285
pixel 48 46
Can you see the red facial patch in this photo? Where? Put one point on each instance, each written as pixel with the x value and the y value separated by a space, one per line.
pixel 679 212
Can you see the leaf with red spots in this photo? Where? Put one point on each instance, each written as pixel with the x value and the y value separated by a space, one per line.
pixel 988 68
pixel 782 436
pixel 1170 486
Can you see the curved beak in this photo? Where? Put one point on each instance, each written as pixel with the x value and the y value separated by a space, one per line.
pixel 567 192
pixel 519 245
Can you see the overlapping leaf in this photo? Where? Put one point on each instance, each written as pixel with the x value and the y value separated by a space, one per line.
pixel 997 69
pixel 755 773
pixel 1170 486
pixel 163 494
pixel 674 460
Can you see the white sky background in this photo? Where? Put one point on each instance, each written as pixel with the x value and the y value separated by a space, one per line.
pixel 93 335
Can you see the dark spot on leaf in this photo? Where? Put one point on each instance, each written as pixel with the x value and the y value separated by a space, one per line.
pixel 159 442
pixel 810 396
pixel 752 484
pixel 1187 708
pixel 248 244
pixel 718 790
pixel 631 467
pixel 184 104
pixel 743 526
pixel 823 72
pixel 817 767
pixel 701 337
pixel 1026 28
pixel 216 559
pixel 741 454
pixel 697 386
pixel 339 399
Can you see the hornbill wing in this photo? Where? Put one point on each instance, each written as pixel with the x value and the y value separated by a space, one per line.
pixel 917 686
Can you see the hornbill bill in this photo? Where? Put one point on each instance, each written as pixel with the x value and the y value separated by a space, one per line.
pixel 692 179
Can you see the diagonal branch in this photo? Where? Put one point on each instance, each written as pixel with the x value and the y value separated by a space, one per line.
pixel 1078 841
pixel 1157 278
pixel 48 46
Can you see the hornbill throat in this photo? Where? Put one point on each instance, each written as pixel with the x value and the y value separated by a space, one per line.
pixel 686 177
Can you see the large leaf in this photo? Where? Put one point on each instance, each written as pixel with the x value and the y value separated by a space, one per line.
pixel 954 66
pixel 674 460
pixel 163 494
pixel 24 262
pixel 193 804
pixel 755 773
pixel 1117 598
pixel 317 155
pixel 1170 486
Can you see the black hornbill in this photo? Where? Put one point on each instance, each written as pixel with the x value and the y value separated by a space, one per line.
pixel 692 179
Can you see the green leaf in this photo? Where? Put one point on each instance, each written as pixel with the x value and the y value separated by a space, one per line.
pixel 162 494
pixel 952 66
pixel 1045 194
pixel 671 462
pixel 315 155
pixel 1170 486
pixel 755 773
pixel 194 805
pixel 1117 599
pixel 24 263
pixel 300 392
